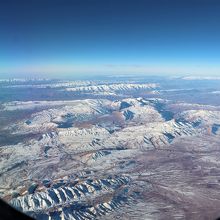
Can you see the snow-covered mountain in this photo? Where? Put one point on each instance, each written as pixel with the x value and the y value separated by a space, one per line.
pixel 113 87
pixel 109 156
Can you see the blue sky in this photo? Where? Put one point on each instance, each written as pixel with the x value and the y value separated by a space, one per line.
pixel 110 36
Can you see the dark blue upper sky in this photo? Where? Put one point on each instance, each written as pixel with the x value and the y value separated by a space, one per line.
pixel 110 36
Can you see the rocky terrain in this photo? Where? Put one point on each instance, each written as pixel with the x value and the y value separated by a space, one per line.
pixel 131 150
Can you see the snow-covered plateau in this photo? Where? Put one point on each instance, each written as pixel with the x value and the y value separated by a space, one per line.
pixel 131 153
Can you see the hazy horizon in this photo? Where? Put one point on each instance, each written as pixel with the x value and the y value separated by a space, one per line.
pixel 109 37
